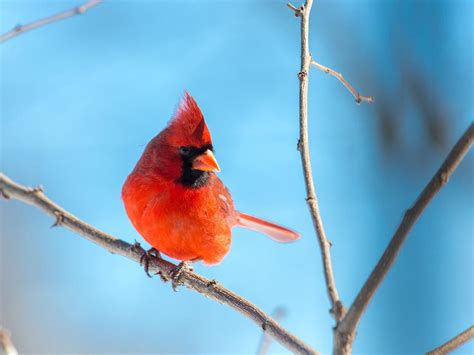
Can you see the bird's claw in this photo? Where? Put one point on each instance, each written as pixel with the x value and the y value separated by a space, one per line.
pixel 177 272
pixel 162 277
pixel 146 256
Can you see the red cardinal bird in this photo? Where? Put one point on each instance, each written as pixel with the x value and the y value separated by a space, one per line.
pixel 175 200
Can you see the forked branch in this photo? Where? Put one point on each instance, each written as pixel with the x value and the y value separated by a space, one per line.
pixel 346 323
pixel 208 288
pixel 19 29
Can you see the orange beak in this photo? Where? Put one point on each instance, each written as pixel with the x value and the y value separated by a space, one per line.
pixel 206 162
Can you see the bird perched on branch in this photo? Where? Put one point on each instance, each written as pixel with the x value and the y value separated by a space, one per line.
pixel 175 200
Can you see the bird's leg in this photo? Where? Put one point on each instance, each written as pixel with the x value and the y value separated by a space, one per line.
pixel 177 272
pixel 146 256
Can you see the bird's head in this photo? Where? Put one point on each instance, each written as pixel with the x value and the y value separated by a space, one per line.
pixel 183 151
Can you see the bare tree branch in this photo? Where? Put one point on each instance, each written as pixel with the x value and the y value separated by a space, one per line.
pixel 358 97
pixel 454 343
pixel 208 288
pixel 345 331
pixel 19 29
pixel 6 343
pixel 337 309
pixel 278 314
pixel 346 323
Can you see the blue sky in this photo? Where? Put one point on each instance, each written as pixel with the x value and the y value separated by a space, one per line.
pixel 80 100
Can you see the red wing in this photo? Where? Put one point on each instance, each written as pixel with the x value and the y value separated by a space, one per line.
pixel 274 231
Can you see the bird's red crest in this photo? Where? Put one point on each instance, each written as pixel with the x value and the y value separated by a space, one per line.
pixel 188 124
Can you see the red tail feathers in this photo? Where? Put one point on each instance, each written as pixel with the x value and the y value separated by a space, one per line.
pixel 274 231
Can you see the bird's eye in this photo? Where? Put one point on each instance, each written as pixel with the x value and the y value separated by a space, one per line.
pixel 184 150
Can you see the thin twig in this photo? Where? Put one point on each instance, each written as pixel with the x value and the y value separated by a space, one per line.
pixel 346 329
pixel 337 309
pixel 208 288
pixel 292 7
pixel 278 314
pixel 358 97
pixel 454 343
pixel 6 343
pixel 19 29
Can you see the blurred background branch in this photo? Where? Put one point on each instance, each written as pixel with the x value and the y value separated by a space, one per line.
pixel 414 109
pixel 209 288
pixel 265 341
pixel 454 343
pixel 6 343
pixel 19 29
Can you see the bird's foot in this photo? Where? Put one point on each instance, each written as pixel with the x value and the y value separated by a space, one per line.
pixel 177 272
pixel 146 256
